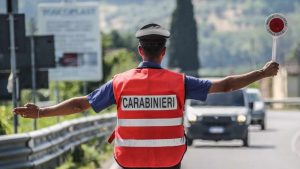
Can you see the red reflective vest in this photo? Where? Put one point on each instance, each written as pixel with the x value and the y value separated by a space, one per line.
pixel 149 132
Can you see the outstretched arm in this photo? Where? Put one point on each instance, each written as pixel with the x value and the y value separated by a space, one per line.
pixel 235 82
pixel 70 106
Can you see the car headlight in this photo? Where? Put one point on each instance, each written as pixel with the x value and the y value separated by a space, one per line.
pixel 191 117
pixel 241 118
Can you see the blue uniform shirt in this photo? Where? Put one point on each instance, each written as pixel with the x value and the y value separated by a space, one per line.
pixel 103 97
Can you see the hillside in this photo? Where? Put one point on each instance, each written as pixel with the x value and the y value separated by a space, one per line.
pixel 230 32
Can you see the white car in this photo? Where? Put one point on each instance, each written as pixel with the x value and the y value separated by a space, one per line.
pixel 223 116
pixel 258 113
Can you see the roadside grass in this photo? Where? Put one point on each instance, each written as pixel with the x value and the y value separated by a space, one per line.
pixel 88 156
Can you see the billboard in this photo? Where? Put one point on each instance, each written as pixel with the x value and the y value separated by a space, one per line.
pixel 75 27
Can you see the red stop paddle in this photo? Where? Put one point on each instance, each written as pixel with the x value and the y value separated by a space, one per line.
pixel 276 25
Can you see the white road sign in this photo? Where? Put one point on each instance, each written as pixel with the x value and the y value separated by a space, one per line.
pixel 75 27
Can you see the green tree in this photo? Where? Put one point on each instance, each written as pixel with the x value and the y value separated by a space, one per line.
pixel 118 61
pixel 184 42
pixel 6 118
pixel 123 40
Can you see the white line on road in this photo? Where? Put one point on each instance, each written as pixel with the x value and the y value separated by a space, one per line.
pixel 294 142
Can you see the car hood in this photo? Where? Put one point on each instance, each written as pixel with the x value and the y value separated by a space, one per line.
pixel 219 111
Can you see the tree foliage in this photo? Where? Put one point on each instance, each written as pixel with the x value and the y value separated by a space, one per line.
pixel 184 42
pixel 119 61
pixel 5 119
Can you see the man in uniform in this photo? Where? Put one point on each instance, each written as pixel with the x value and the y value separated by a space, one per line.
pixel 150 103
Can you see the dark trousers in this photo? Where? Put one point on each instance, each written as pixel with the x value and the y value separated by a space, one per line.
pixel 178 166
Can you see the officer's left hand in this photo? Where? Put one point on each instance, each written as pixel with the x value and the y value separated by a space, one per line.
pixel 270 69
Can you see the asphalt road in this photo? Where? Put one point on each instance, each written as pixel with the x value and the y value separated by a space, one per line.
pixel 276 148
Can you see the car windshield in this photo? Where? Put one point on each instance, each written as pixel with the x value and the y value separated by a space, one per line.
pixel 253 97
pixel 234 98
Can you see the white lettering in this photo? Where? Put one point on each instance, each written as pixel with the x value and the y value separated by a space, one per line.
pixel 150 102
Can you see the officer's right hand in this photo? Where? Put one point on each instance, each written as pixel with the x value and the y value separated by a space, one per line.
pixel 28 111
pixel 270 69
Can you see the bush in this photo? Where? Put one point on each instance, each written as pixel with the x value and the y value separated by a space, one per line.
pixel 91 155
pixel 6 119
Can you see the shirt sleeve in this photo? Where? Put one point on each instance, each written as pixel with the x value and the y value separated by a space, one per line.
pixel 196 88
pixel 102 97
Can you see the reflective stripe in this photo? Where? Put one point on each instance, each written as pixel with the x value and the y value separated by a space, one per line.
pixel 150 143
pixel 150 122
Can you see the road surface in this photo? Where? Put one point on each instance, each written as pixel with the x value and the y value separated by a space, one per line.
pixel 275 148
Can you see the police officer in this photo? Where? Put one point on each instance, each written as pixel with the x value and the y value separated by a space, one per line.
pixel 150 103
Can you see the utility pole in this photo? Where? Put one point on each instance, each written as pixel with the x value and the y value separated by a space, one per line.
pixel 33 67
pixel 57 93
pixel 11 9
pixel 85 93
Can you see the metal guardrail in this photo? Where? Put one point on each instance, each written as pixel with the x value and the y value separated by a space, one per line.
pixel 291 100
pixel 44 148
